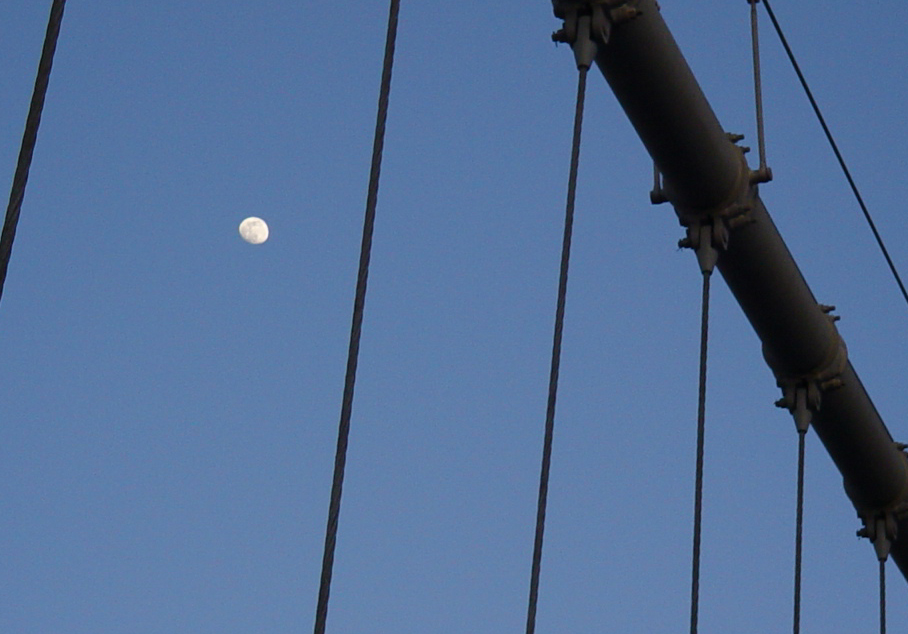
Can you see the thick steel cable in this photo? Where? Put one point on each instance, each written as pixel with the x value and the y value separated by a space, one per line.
pixel 556 355
pixel 321 613
pixel 799 532
pixel 701 432
pixel 835 149
pixel 29 138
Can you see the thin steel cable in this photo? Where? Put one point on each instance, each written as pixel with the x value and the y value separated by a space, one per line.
pixel 556 355
pixel 758 84
pixel 799 531
pixel 835 149
pixel 321 613
pixel 29 138
pixel 701 432
pixel 883 597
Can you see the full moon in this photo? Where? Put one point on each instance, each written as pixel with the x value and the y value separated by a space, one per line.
pixel 254 230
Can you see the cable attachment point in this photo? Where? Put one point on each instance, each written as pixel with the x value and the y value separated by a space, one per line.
pixel 707 239
pixel 803 401
pixel 881 528
pixel 603 16
pixel 578 31
pixel 762 174
pixel 826 376
pixel 585 47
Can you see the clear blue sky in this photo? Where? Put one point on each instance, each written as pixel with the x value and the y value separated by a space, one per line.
pixel 169 394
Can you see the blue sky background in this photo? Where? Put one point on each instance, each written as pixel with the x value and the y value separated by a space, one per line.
pixel 170 393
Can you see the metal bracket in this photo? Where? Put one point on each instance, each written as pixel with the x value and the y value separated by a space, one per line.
pixel 824 378
pixel 604 14
pixel 803 401
pixel 827 308
pixel 726 216
pixel 760 175
pixel 706 237
pixel 708 233
pixel 657 194
pixel 881 528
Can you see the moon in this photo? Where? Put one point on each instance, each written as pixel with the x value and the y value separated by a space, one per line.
pixel 254 230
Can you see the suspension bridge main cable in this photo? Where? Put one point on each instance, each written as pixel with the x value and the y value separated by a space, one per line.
pixel 584 51
pixel 835 149
pixel 29 138
pixel 321 613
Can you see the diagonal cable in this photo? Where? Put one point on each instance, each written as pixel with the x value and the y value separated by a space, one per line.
pixel 556 355
pixel 340 460
pixel 835 149
pixel 29 138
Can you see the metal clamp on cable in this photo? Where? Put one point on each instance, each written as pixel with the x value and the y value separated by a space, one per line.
pixel 881 528
pixel 603 14
pixel 803 401
pixel 881 524
pixel 724 218
pixel 825 377
pixel 706 238
pixel 719 221
pixel 762 174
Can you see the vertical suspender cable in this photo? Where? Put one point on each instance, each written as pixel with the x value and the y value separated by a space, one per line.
pixel 556 356
pixel 701 428
pixel 758 85
pixel 321 614
pixel 799 531
pixel 886 256
pixel 584 52
pixel 883 596
pixel 29 138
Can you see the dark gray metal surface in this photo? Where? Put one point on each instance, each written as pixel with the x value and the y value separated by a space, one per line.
pixel 705 176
